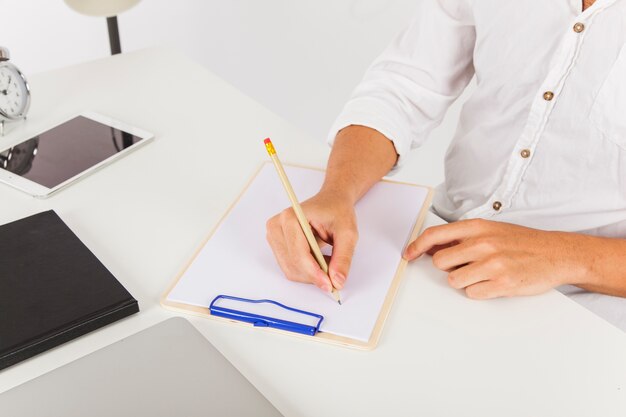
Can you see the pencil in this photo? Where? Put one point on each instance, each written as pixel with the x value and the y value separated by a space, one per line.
pixel 304 223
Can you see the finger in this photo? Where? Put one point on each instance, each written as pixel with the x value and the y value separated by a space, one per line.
pixel 344 242
pixel 430 238
pixel 301 264
pixel 276 240
pixel 437 248
pixel 468 251
pixel 484 290
pixel 469 275
pixel 443 235
pixel 304 269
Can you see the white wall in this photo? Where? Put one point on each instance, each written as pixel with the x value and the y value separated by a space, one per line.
pixel 299 58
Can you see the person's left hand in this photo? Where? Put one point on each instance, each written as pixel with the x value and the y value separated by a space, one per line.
pixel 492 259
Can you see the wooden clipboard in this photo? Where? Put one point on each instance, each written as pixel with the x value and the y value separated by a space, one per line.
pixel 320 336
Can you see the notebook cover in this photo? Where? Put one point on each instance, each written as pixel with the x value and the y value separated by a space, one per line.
pixel 52 288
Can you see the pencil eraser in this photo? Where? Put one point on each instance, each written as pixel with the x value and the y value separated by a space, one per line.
pixel 269 146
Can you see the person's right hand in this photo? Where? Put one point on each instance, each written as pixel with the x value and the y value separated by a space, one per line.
pixel 333 221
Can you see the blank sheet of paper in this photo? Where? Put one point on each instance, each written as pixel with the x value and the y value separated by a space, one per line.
pixel 238 261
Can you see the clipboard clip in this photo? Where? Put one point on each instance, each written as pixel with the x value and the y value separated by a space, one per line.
pixel 259 320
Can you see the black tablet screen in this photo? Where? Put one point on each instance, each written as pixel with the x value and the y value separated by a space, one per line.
pixel 65 151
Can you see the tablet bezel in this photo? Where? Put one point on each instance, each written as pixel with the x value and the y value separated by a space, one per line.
pixel 41 191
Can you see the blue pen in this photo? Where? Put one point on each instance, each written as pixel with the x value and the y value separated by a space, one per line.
pixel 259 320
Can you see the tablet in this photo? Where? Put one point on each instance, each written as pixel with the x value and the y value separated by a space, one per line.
pixel 51 160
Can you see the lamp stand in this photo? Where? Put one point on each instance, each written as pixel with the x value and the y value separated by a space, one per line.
pixel 114 35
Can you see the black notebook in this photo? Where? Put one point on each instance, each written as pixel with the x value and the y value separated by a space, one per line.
pixel 52 288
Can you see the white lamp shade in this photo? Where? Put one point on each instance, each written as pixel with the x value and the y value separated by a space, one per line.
pixel 106 8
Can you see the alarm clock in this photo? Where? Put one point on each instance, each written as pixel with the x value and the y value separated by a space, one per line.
pixel 14 91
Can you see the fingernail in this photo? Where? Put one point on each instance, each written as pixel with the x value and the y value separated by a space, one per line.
pixel 339 278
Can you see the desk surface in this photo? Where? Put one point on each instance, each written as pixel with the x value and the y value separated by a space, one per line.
pixel 440 354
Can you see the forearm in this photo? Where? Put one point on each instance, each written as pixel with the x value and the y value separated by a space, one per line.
pixel 361 156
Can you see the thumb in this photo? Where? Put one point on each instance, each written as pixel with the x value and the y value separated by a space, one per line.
pixel 344 242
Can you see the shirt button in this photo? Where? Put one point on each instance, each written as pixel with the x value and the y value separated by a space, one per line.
pixel 548 95
pixel 525 153
pixel 579 27
pixel 497 205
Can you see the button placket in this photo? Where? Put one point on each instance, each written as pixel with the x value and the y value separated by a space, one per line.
pixel 557 77
pixel 537 120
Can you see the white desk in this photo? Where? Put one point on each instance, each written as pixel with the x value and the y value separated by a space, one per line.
pixel 440 354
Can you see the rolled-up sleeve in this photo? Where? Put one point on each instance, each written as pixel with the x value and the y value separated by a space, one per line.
pixel 406 91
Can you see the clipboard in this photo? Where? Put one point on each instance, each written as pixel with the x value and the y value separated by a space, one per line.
pixel 253 319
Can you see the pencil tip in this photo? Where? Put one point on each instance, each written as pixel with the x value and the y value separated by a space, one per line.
pixel 339 301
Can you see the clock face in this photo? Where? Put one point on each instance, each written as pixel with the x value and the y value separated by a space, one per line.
pixel 14 94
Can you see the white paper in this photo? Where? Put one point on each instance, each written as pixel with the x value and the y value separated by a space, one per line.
pixel 238 261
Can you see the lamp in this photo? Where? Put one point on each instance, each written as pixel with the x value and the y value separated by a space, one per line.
pixel 109 9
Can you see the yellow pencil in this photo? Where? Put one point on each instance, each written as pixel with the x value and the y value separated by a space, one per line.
pixel 304 223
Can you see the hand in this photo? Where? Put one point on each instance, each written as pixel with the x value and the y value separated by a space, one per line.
pixel 333 222
pixel 491 259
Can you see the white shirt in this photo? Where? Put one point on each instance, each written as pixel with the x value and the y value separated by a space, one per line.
pixel 542 140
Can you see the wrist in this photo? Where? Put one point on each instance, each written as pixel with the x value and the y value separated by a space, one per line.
pixel 337 195
pixel 590 260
